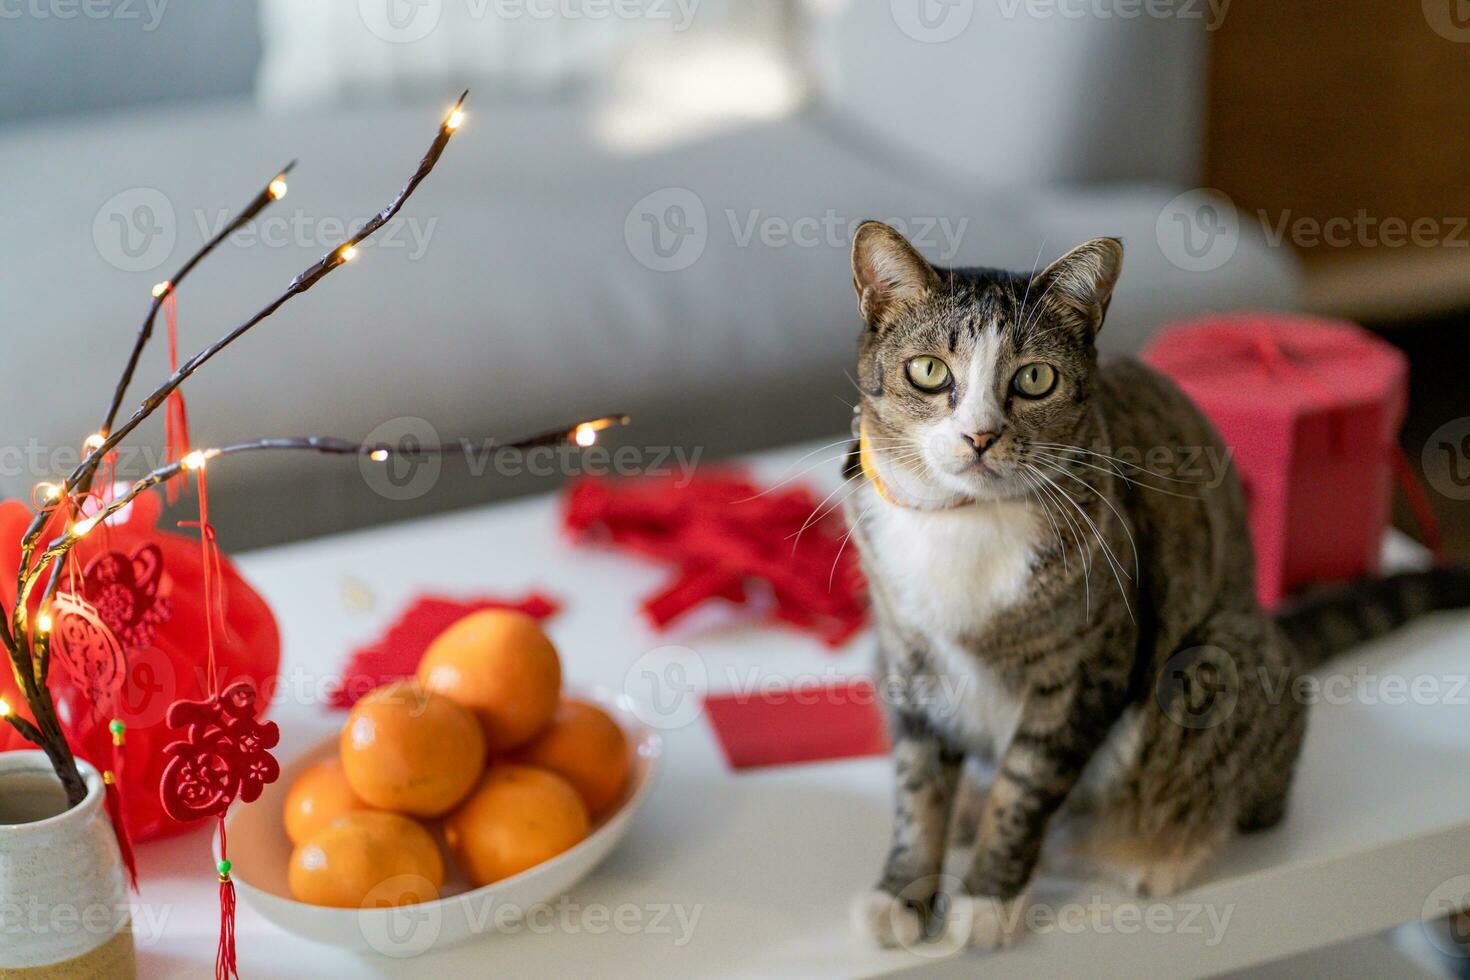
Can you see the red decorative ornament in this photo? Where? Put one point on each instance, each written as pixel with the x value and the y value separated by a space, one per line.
pixel 780 552
pixel 97 666
pixel 87 649
pixel 129 593
pixel 224 754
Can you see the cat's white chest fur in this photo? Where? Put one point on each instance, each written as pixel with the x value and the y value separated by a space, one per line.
pixel 952 570
pixel 948 573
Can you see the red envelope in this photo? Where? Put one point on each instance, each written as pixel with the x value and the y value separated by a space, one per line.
pixel 802 723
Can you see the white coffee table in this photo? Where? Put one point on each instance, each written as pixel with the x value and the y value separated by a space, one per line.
pixel 768 860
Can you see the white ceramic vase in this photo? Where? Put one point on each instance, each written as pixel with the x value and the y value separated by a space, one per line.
pixel 63 901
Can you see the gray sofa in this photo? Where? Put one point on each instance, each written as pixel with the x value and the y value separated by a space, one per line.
pixel 524 288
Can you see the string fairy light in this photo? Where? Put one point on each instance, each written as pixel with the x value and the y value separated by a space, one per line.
pixel 585 434
pixel 43 623
pixel 38 559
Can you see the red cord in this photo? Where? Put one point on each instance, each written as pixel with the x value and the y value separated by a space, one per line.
pixel 1419 504
pixel 225 962
pixel 118 815
pixel 176 416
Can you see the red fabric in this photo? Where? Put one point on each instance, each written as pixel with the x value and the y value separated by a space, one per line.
pixel 1311 410
pixel 840 720
pixel 398 652
pixel 171 667
pixel 724 534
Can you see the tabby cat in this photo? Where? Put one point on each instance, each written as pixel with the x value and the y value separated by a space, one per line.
pixel 1096 616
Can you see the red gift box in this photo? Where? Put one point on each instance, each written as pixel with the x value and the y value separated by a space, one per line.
pixel 1311 411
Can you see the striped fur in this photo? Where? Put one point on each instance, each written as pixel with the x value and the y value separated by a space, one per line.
pixel 1119 687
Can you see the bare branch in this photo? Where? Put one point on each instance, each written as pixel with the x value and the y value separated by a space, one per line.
pixel 26 729
pixel 82 475
pixel 330 445
pixel 268 194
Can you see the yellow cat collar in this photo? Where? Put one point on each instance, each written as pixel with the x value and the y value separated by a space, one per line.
pixel 870 470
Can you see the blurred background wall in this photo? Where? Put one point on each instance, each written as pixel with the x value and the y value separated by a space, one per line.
pixel 651 207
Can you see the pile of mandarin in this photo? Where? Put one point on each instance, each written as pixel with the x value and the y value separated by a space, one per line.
pixel 479 746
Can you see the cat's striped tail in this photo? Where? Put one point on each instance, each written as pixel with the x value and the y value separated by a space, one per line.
pixel 1326 622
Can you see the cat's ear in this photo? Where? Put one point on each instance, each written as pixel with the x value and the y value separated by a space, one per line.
pixel 1084 278
pixel 887 272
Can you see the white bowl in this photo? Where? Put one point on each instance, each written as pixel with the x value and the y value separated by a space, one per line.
pixel 261 853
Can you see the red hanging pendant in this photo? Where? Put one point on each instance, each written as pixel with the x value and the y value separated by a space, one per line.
pixel 87 650
pixel 129 593
pixel 224 754
pixel 96 665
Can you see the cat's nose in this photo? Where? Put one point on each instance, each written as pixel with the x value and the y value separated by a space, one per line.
pixel 981 441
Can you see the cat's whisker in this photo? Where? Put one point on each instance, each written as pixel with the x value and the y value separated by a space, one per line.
pixel 1050 489
pixel 1043 454
pixel 1030 281
pixel 845 442
pixel 832 575
pixel 795 476
pixel 1103 497
pixel 822 511
pixel 1119 573
pixel 1046 509
pixel 1114 459
pixel 1036 312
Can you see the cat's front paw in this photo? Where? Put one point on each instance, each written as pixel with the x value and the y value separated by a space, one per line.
pixel 887 920
pixel 982 922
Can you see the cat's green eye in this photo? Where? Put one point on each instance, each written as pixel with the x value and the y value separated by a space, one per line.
pixel 1035 380
pixel 928 373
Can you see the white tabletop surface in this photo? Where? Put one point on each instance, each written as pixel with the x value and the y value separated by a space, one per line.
pixel 752 873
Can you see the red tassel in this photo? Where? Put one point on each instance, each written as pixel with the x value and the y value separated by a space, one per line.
pixel 115 810
pixel 176 416
pixel 225 965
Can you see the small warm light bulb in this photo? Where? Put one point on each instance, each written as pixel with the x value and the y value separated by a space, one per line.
pixel 4 707
pixel 378 455
pixel 586 435
pixel 161 288
pixel 94 442
pixel 193 461
pixel 277 188
pixel 82 527
pixel 348 254
pixel 47 491
pixel 43 622
pixel 454 119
